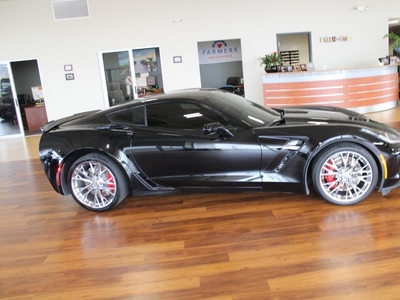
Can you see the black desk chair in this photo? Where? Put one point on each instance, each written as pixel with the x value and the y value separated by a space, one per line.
pixel 228 88
pixel 7 109
pixel 233 85
pixel 233 81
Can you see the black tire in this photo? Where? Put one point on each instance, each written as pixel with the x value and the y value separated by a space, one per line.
pixel 97 183
pixel 345 174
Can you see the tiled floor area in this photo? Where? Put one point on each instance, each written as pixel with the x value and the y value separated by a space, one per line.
pixel 8 127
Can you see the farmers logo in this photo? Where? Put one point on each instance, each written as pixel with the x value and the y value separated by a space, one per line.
pixel 219 44
pixel 220 50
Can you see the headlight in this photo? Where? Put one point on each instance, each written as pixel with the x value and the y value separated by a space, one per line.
pixel 387 137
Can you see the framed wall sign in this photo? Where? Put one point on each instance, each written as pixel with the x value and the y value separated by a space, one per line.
pixel 69 76
pixel 177 59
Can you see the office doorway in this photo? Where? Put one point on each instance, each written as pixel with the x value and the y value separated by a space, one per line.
pixel 221 65
pixel 394 28
pixel 295 48
pixel 17 78
pixel 29 95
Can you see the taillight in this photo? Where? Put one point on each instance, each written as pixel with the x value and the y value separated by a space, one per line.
pixel 58 175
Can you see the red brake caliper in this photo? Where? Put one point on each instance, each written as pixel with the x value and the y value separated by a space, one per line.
pixel 110 182
pixel 330 178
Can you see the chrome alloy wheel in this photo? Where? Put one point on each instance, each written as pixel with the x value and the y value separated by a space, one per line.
pixel 93 184
pixel 346 176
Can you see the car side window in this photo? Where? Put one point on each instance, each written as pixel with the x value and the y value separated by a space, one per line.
pixel 134 116
pixel 184 115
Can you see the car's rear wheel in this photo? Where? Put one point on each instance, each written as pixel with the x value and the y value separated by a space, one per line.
pixel 97 182
pixel 345 174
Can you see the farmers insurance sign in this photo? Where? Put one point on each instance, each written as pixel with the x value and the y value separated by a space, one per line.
pixel 219 51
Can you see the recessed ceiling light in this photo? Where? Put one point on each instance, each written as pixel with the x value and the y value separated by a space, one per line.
pixel 393 21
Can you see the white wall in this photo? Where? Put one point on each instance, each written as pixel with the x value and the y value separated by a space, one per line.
pixel 28 31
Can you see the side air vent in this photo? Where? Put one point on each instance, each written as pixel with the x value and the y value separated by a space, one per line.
pixel 359 118
pixel 70 9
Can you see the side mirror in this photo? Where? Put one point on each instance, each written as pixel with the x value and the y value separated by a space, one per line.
pixel 217 128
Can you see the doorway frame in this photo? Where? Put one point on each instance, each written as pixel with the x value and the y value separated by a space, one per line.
pixel 308 33
pixel 131 66
pixel 15 101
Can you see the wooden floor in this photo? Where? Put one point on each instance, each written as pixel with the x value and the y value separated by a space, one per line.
pixel 208 246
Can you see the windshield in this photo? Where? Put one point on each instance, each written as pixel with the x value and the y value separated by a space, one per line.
pixel 253 114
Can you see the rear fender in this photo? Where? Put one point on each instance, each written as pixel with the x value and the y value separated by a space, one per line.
pixel 120 158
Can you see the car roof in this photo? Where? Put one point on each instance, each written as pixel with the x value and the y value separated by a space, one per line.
pixel 194 93
pixel 200 94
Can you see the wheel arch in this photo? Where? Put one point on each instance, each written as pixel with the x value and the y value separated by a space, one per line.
pixel 71 157
pixel 343 139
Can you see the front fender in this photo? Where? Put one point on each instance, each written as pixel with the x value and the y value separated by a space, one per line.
pixel 374 151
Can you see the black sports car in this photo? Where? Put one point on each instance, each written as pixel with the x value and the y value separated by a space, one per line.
pixel 211 140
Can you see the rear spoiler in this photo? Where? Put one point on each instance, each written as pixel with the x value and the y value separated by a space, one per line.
pixel 55 123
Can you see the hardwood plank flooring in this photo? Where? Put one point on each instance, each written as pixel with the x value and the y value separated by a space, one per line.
pixel 228 246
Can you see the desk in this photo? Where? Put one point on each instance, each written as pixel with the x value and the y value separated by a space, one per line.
pixel 364 90
pixel 35 117
pixel 239 89
pixel 147 92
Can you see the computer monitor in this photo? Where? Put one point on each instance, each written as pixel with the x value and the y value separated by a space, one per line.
pixel 37 93
pixel 151 80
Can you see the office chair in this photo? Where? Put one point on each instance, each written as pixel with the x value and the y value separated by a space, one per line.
pixel 115 92
pixel 233 81
pixel 234 86
pixel 228 88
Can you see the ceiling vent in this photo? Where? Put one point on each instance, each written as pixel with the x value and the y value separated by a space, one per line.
pixel 70 9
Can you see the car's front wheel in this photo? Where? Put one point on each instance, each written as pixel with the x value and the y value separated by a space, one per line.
pixel 345 174
pixel 97 182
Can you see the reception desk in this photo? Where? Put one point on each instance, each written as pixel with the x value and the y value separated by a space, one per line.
pixel 363 90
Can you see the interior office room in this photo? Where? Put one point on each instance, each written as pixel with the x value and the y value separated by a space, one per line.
pixel 62 57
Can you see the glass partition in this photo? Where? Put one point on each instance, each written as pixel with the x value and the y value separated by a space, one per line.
pixel 123 84
pixel 117 69
pixel 148 73
pixel 9 119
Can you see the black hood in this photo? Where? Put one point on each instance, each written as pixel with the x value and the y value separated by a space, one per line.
pixel 327 115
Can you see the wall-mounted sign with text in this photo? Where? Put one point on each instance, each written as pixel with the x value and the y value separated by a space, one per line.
pixel 219 51
pixel 334 39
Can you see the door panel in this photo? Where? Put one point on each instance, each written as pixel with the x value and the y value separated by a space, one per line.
pixel 190 158
pixel 169 146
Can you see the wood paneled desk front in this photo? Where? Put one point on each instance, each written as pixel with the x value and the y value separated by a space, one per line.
pixel 35 117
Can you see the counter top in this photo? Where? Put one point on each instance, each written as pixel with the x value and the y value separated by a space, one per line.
pixel 361 89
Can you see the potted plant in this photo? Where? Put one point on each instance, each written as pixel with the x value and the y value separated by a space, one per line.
pixel 396 42
pixel 270 61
